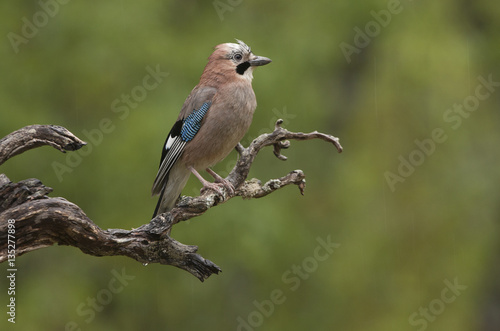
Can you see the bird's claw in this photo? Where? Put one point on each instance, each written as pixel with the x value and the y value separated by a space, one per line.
pixel 219 180
pixel 217 187
pixel 229 187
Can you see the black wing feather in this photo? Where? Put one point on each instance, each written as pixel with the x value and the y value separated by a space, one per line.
pixel 171 153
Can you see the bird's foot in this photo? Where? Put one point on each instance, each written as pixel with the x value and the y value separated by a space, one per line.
pixel 219 180
pixel 217 186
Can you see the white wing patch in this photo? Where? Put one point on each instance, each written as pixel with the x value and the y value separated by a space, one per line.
pixel 169 143
pixel 173 153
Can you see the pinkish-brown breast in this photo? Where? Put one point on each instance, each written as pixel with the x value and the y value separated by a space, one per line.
pixel 224 125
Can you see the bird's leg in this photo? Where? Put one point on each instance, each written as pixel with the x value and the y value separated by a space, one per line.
pixel 223 181
pixel 206 184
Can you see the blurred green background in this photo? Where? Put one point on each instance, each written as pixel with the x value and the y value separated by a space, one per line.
pixel 380 75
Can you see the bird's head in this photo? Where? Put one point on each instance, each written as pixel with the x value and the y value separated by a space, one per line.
pixel 236 59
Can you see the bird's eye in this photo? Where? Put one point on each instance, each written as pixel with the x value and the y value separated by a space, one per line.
pixel 238 57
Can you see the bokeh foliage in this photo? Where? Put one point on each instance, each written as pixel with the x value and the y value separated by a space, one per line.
pixel 397 247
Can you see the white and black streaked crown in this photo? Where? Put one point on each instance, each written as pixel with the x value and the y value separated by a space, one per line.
pixel 244 47
pixel 240 48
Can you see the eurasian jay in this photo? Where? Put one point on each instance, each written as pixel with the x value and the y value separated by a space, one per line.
pixel 214 118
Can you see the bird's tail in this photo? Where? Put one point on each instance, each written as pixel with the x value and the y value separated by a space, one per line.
pixel 177 179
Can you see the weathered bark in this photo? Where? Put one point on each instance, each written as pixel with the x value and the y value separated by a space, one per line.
pixel 42 221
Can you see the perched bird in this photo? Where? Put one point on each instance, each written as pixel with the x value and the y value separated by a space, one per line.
pixel 214 118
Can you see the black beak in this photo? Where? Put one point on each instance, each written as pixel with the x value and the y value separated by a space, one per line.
pixel 259 61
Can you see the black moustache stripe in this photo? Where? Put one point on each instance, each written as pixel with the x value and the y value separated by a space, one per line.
pixel 242 67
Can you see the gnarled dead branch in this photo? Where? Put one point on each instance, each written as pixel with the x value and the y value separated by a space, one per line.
pixel 42 221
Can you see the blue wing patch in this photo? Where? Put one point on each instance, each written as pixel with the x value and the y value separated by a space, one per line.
pixel 192 123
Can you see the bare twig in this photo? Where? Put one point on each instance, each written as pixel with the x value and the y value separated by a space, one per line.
pixel 42 221
pixel 253 188
pixel 33 136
